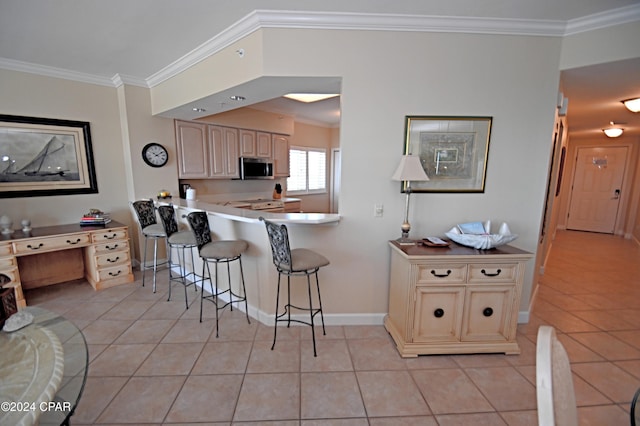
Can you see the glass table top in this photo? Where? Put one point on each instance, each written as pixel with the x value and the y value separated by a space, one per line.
pixel 74 346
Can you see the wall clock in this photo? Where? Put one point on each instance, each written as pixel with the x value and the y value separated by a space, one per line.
pixel 155 154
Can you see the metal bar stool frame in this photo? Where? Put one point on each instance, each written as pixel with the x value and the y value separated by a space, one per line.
pixel 181 241
pixel 151 229
pixel 199 223
pixel 283 259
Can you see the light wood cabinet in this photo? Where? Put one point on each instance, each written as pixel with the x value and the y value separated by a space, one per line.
pixel 223 152
pixel 54 254
pixel 255 144
pixel 193 150
pixel 455 299
pixel 280 156
pixel 206 151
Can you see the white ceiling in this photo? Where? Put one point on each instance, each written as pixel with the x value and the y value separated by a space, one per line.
pixel 137 40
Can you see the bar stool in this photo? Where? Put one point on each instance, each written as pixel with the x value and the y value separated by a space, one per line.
pixel 296 262
pixel 181 241
pixel 151 229
pixel 225 251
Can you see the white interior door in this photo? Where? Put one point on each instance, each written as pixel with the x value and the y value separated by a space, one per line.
pixel 597 186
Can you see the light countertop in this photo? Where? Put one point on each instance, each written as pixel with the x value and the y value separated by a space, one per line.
pixel 227 210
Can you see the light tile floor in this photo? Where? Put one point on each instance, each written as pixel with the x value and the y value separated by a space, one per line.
pixel 152 362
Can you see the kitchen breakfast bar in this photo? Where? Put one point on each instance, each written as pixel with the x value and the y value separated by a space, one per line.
pixel 316 231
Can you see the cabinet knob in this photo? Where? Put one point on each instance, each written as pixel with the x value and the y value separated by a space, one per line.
pixel 487 274
pixel 438 313
pixel 487 312
pixel 435 274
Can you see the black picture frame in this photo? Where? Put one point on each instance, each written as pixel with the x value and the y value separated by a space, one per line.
pixel 45 157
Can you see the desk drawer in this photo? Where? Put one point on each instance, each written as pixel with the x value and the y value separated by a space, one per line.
pixel 114 273
pixel 5 249
pixel 39 245
pixel 110 247
pixel 109 235
pixel 6 262
pixel 111 259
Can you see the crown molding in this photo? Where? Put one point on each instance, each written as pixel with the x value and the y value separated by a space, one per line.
pixel 13 65
pixel 343 21
pixel 622 15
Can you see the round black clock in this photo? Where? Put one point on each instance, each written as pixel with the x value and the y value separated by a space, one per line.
pixel 155 154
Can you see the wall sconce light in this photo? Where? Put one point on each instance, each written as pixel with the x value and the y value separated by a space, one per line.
pixel 614 131
pixel 632 105
pixel 409 169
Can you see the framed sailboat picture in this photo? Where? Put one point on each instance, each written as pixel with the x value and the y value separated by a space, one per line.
pixel 45 156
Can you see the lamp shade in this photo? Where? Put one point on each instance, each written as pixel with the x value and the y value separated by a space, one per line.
pixel 410 169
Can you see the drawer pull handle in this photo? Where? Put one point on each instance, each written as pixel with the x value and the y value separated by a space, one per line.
pixel 110 237
pixel 113 260
pixel 486 274
pixel 111 247
pixel 115 274
pixel 438 313
pixel 487 312
pixel 73 242
pixel 435 274
pixel 36 247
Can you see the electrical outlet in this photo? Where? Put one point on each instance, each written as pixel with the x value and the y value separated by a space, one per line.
pixel 378 209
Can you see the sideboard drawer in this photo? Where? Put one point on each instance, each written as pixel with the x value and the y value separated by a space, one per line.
pixel 114 273
pixel 493 273
pixel 442 273
pixel 6 262
pixel 38 245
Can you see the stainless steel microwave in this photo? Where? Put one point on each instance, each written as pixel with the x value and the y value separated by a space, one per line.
pixel 255 168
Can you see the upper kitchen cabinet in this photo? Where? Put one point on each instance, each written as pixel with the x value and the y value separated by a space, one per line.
pixel 193 150
pixel 206 152
pixel 255 144
pixel 223 158
pixel 280 156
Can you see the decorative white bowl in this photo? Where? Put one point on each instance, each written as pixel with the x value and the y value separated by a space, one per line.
pixel 483 241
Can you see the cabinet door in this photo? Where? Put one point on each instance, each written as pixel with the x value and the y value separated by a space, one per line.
pixel 193 151
pixel 280 148
pixel 488 312
pixel 231 152
pixel 223 161
pixel 438 314
pixel 263 145
pixel 247 143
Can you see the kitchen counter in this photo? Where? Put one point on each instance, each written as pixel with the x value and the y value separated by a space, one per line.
pixel 237 211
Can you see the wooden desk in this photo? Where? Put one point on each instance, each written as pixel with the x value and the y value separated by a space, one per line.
pixel 54 254
pixel 454 300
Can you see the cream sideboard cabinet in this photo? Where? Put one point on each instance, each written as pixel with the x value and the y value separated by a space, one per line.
pixel 454 300
pixel 54 254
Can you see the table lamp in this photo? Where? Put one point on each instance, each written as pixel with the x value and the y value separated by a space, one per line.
pixel 410 169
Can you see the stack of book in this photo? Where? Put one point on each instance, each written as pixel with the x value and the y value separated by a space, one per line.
pixel 95 218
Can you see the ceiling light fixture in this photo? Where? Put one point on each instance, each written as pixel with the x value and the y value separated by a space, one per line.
pixel 197 109
pixel 632 105
pixel 614 131
pixel 310 97
pixel 237 98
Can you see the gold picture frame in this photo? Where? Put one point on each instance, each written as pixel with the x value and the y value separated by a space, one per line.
pixel 45 156
pixel 453 152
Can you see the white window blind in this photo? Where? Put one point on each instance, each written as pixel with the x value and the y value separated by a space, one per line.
pixel 308 170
